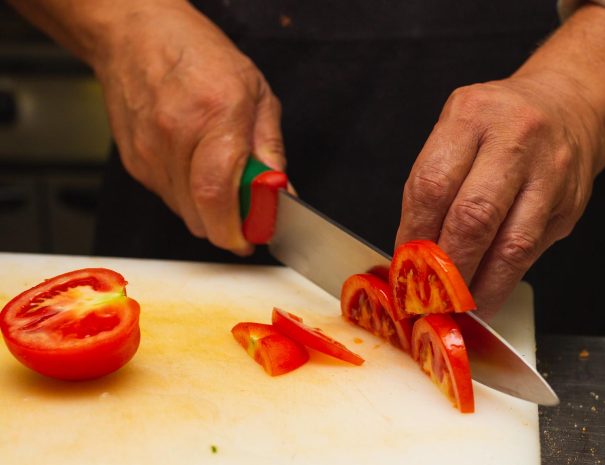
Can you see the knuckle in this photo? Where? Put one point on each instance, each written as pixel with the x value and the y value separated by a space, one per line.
pixel 473 219
pixel 210 193
pixel 563 161
pixel 468 100
pixel 214 102
pixel 166 120
pixel 429 188
pixel 469 106
pixel 518 250
pixel 530 121
pixel 221 99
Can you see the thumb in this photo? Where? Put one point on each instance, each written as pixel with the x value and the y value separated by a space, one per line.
pixel 268 143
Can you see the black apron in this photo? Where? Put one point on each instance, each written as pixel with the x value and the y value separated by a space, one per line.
pixel 362 84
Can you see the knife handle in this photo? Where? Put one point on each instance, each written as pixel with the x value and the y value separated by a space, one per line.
pixel 258 200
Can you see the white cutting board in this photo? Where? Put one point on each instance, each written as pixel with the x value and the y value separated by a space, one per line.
pixel 191 389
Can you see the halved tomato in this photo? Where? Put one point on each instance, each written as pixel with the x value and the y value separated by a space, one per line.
pixel 367 301
pixel 276 353
pixel 78 325
pixel 293 327
pixel 438 346
pixel 424 280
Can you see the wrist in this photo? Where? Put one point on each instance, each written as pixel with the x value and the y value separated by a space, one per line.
pixel 569 67
pixel 108 27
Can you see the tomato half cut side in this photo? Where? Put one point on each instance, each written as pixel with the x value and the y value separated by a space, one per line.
pixel 438 347
pixel 424 280
pixel 314 338
pixel 75 326
pixel 367 301
pixel 276 353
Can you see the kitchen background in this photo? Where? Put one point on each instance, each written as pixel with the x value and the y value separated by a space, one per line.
pixel 54 139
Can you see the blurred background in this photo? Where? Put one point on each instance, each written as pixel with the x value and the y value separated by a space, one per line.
pixel 54 139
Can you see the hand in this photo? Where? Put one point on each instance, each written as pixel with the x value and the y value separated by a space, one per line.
pixel 186 108
pixel 507 170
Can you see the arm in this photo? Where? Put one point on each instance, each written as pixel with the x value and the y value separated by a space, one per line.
pixel 186 107
pixel 508 168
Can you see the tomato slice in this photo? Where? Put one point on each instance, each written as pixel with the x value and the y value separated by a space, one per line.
pixel 293 327
pixel 367 301
pixel 438 346
pixel 78 325
pixel 424 280
pixel 276 353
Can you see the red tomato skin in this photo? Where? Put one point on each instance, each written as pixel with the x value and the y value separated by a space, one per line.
pixel 429 265
pixel 276 353
pixel 86 358
pixel 314 338
pixel 367 301
pixel 280 354
pixel 446 338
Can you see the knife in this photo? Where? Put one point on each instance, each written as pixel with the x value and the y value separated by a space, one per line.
pixel 327 253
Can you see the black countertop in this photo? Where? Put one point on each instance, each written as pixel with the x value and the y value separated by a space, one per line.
pixel 573 433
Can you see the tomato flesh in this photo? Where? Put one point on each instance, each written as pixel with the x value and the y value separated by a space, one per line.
pixel 78 325
pixel 438 347
pixel 276 353
pixel 424 280
pixel 366 301
pixel 314 338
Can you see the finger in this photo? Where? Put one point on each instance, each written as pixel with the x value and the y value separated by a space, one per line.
pixel 436 176
pixel 520 241
pixel 216 168
pixel 175 142
pixel 180 195
pixel 268 143
pixel 480 206
pixel 291 189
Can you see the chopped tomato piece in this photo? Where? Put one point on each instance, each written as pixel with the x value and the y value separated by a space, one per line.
pixel 293 327
pixel 367 301
pixel 276 353
pixel 438 346
pixel 78 325
pixel 424 280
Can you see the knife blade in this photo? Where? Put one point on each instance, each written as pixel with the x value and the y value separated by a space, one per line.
pixel 326 253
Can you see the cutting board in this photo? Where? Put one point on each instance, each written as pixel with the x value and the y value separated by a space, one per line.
pixel 192 395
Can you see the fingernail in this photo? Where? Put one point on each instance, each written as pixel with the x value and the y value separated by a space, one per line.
pixel 271 159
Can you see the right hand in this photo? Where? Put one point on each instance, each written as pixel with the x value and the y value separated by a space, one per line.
pixel 186 108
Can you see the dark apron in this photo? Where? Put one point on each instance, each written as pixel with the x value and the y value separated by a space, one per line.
pixel 362 84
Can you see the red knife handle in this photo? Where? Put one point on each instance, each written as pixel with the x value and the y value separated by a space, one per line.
pixel 258 200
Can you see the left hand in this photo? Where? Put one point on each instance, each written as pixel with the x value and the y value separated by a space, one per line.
pixel 507 171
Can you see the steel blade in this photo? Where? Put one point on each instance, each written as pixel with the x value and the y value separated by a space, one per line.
pixel 318 248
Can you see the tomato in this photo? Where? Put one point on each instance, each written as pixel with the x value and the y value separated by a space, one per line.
pixel 438 346
pixel 424 280
pixel 293 327
pixel 78 325
pixel 276 353
pixel 367 301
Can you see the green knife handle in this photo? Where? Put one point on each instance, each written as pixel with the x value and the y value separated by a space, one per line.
pixel 258 200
